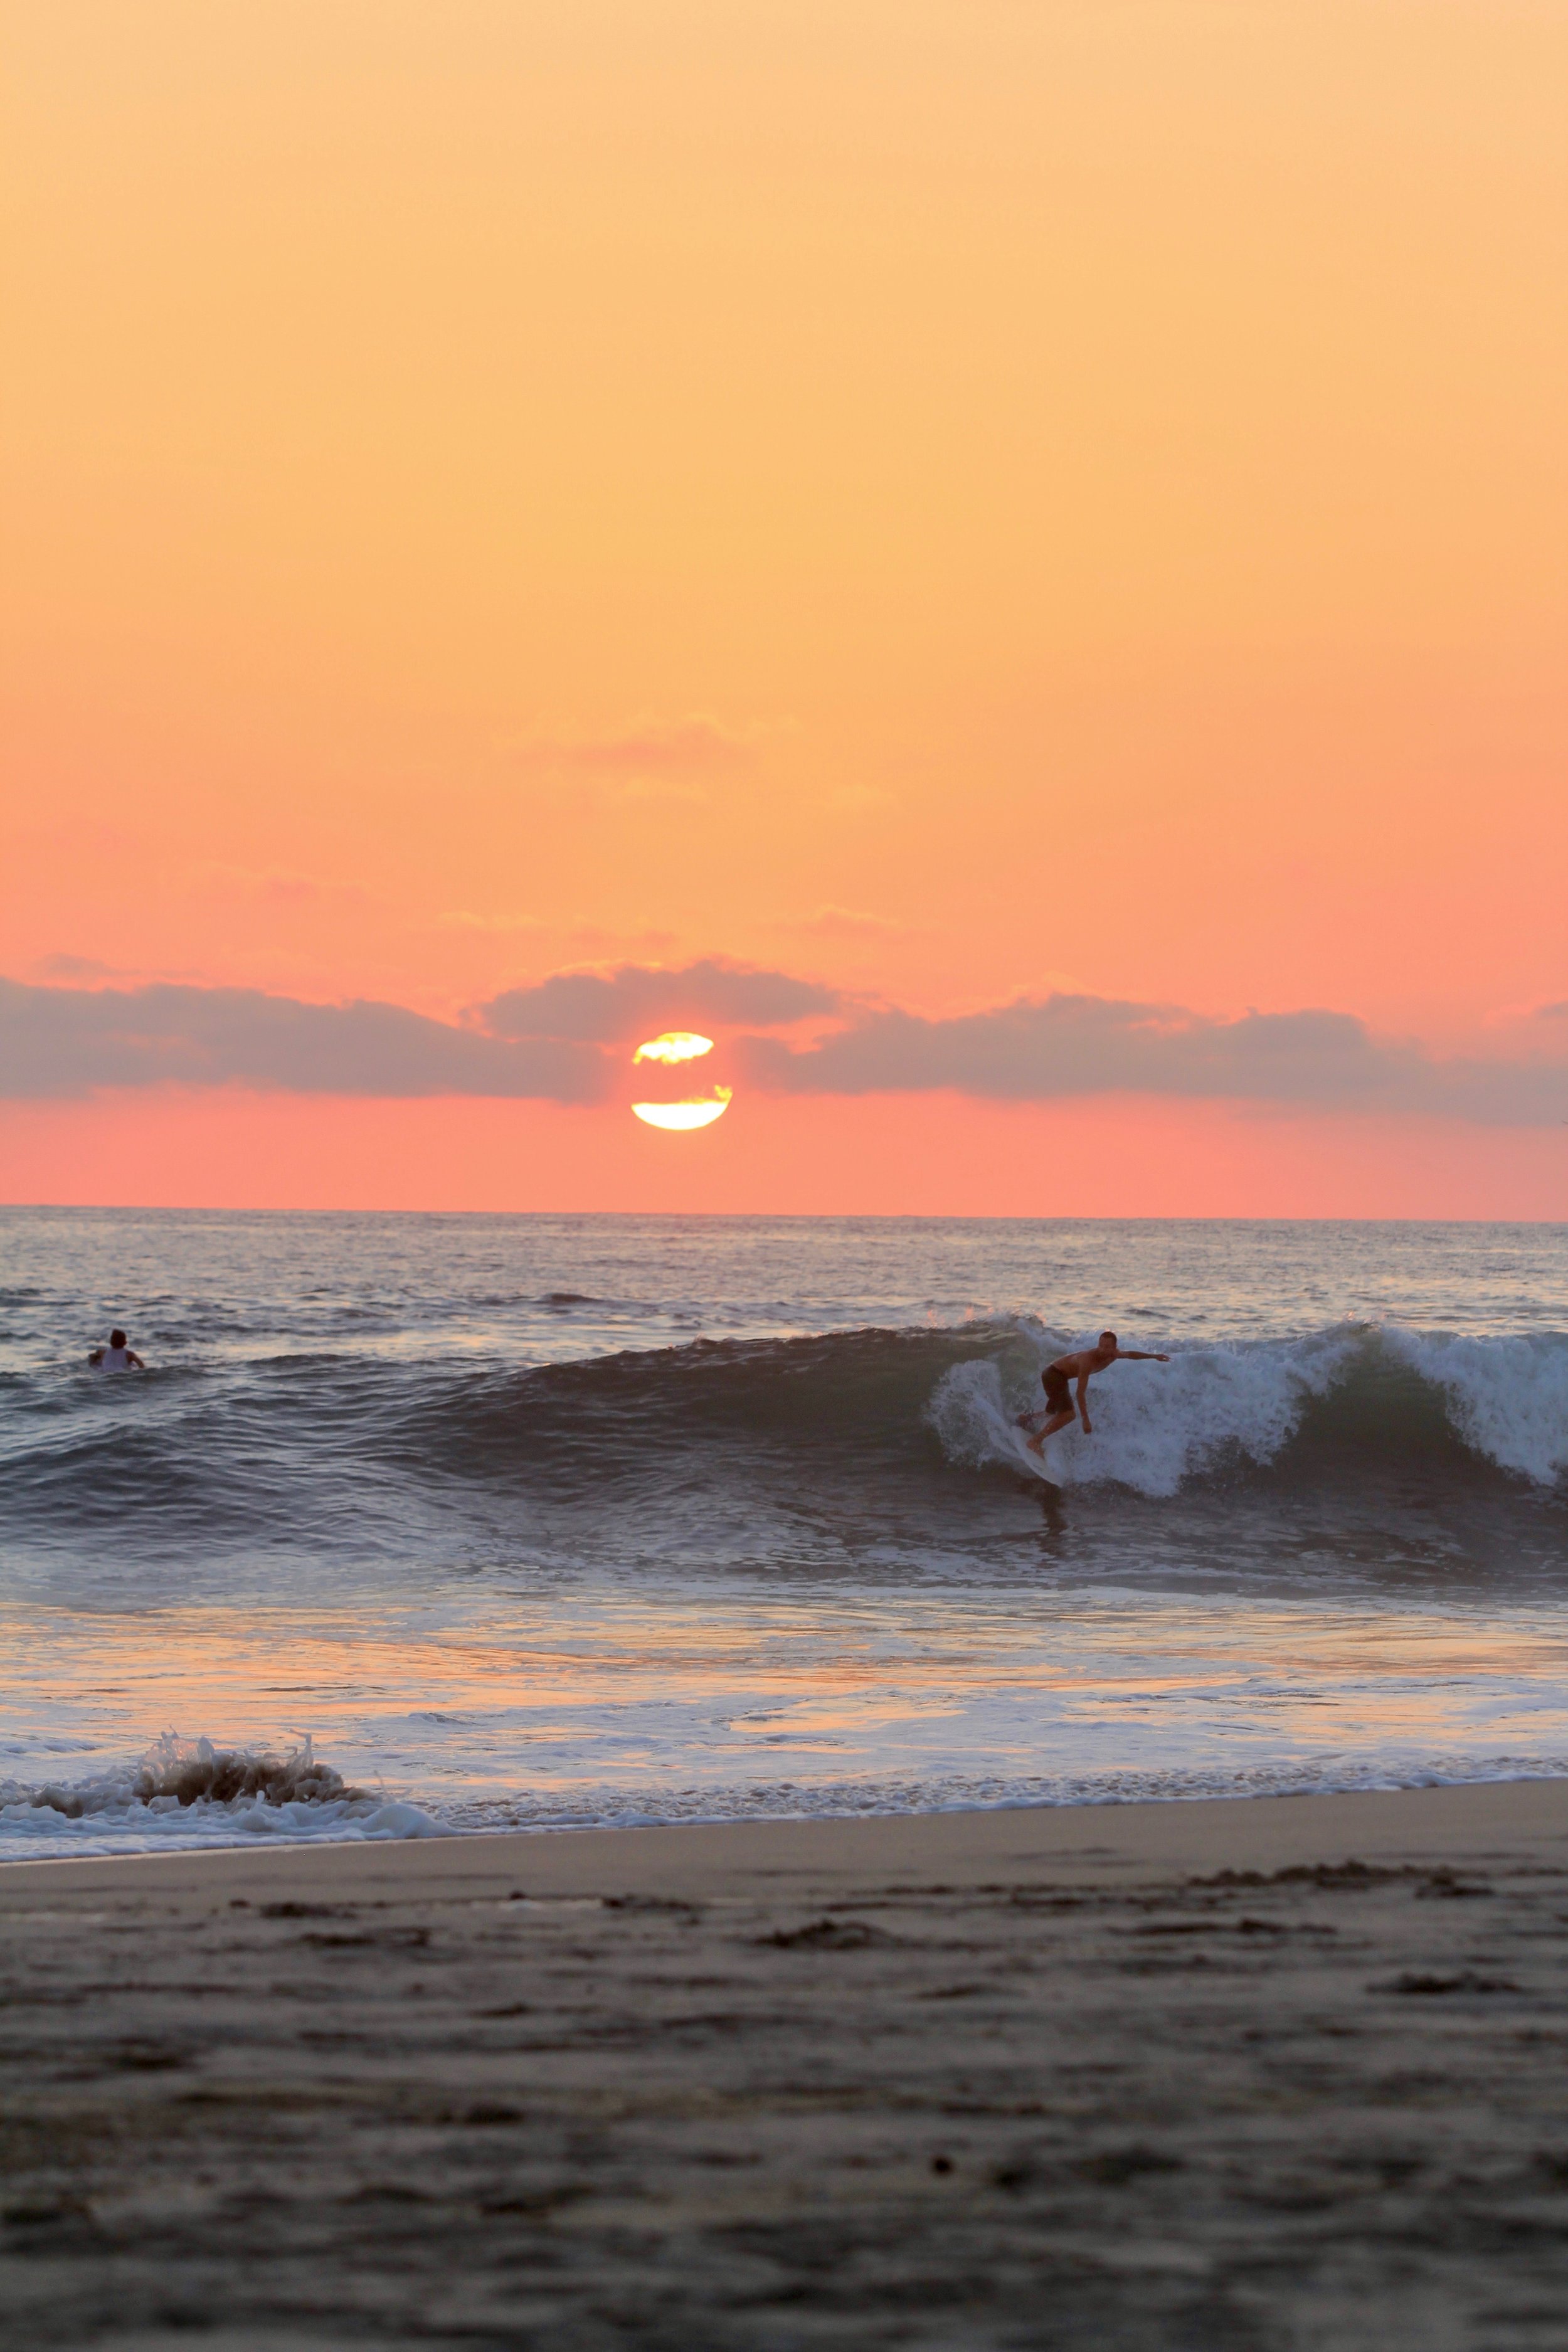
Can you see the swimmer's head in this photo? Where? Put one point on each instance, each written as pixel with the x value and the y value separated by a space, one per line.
pixel 1107 1339
pixel 117 1340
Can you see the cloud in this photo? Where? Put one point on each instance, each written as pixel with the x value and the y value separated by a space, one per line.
pixel 661 792
pixel 1552 1012
pixel 86 971
pixel 60 1042
pixel 844 923
pixel 459 918
pixel 550 1041
pixel 277 886
pixel 585 939
pixel 859 800
pixel 77 967
pixel 652 748
pixel 1035 1049
pixel 608 1008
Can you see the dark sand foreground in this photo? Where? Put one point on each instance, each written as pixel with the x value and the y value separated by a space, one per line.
pixel 1284 2074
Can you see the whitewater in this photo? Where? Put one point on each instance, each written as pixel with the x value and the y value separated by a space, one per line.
pixel 424 1525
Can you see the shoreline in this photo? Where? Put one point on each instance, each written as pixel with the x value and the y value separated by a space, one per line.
pixel 269 1840
pixel 1448 1817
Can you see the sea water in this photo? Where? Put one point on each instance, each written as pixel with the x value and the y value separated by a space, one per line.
pixel 425 1524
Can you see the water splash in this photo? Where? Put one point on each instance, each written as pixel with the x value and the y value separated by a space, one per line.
pixel 194 1792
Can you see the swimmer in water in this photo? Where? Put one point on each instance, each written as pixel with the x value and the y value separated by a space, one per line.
pixel 1077 1367
pixel 118 1357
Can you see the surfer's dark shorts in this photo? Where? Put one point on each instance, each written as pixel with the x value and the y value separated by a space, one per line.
pixel 1059 1398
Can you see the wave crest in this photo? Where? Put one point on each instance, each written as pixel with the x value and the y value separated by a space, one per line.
pixel 209 1793
pixel 1507 1398
pixel 1340 1397
pixel 395 1457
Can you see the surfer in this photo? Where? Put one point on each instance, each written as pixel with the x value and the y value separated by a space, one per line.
pixel 1077 1367
pixel 118 1357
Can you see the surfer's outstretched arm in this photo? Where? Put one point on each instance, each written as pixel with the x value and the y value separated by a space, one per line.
pixel 1140 1356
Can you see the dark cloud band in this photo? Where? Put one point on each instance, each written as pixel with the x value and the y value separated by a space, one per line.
pixel 627 1005
pixel 1034 1049
pixel 564 1041
pixel 63 1041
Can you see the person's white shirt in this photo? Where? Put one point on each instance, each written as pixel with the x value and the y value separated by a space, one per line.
pixel 117 1355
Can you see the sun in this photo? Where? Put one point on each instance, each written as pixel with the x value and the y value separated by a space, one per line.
pixel 676 1045
pixel 684 1116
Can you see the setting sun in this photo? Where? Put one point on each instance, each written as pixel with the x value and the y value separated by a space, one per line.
pixel 675 1045
pixel 683 1116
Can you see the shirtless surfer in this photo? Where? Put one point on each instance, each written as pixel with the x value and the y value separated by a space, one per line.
pixel 118 1357
pixel 1077 1367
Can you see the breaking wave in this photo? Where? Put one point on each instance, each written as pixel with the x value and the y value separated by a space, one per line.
pixel 188 1792
pixel 437 1458
pixel 1308 1410
pixel 1324 1407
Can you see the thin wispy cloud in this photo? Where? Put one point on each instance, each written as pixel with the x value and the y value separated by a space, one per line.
pixel 85 971
pixel 847 923
pixel 65 966
pixel 697 745
pixel 279 886
pixel 587 938
pixel 858 800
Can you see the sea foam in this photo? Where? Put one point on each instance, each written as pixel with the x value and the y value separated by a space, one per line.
pixel 1158 1426
pixel 191 1792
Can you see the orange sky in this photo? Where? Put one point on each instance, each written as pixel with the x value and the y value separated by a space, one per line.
pixel 956 502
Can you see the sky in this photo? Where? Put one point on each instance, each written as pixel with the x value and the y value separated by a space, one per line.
pixel 1007 562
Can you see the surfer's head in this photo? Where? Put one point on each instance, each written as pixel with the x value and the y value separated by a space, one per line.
pixel 117 1340
pixel 1107 1339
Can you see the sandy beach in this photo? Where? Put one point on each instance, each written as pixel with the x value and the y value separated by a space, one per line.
pixel 1276 2074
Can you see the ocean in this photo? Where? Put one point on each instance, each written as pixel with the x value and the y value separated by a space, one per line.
pixel 430 1524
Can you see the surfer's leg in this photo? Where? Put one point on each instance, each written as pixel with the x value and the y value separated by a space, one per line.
pixel 1057 1420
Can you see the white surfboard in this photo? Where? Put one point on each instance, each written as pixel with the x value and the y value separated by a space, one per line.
pixel 1033 1462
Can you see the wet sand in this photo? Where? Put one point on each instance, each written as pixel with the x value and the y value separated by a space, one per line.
pixel 1276 2074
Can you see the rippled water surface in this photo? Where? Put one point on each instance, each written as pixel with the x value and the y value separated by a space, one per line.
pixel 528 1520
